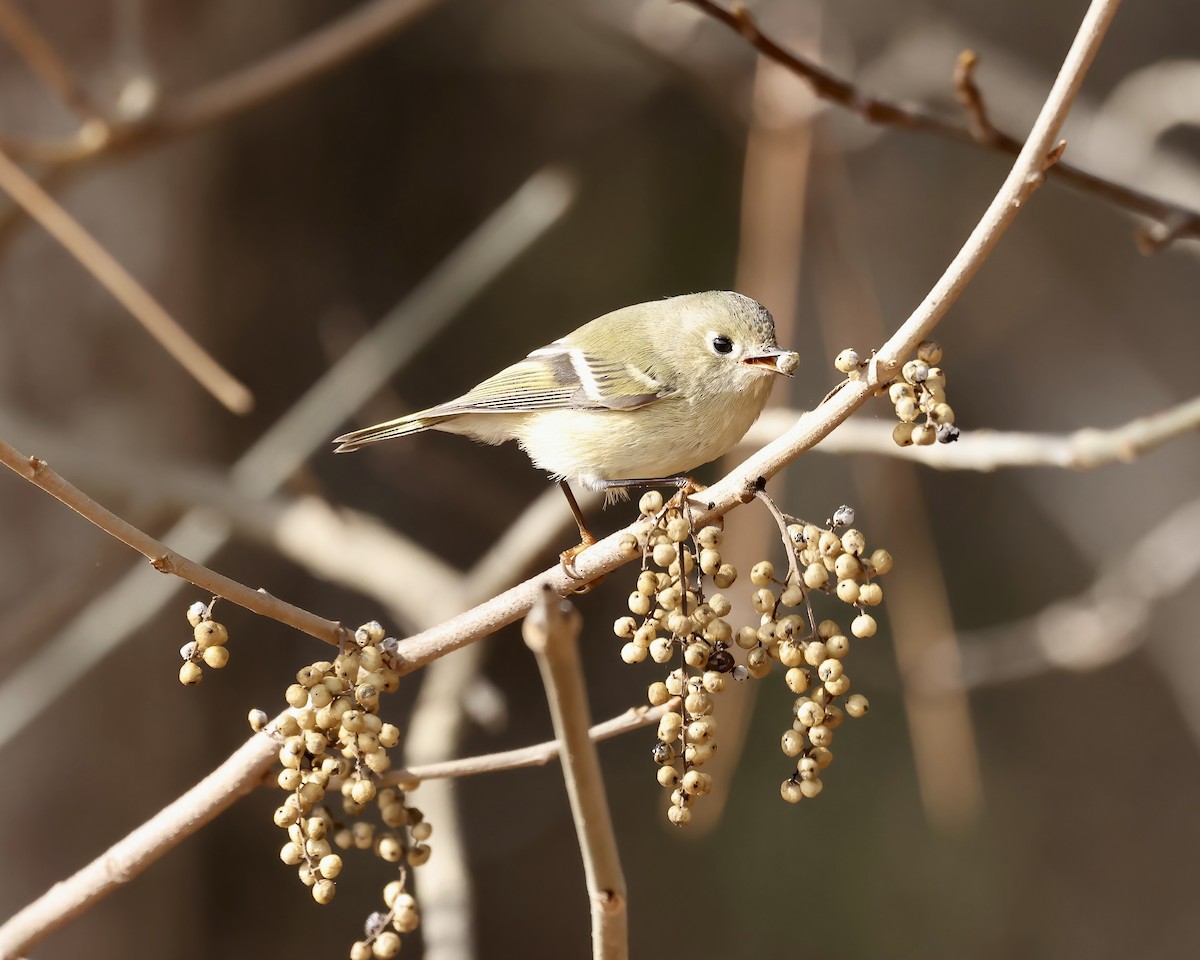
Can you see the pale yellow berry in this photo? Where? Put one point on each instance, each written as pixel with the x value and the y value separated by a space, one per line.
pixel 881 562
pixel 809 712
pixel 725 576
pixel 792 743
pixel 923 435
pixel 906 409
pixel 823 756
pixel 797 680
pixel 815 653
pixel 190 673
pixel 651 503
pixel 838 687
pixel 847 567
pixel 209 633
pixel 902 434
pixel 863 626
pixel 762 573
pixel 790 791
pixel 870 594
pixel 929 351
pixel 830 670
pixel 810 788
pixel 847 591
pixel 664 554
pixel 846 361
pixel 857 705
pixel 387 945
pixel 815 576
pixel 668 777
pixel 216 657
pixel 680 816
pixel 899 390
pixel 820 735
pixel 807 768
pixel 837 646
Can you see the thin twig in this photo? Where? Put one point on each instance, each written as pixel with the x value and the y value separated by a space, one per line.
pixel 978 124
pixel 166 560
pixel 124 288
pixel 23 34
pixel 989 450
pixel 551 631
pixel 1184 222
pixel 308 59
pixel 536 755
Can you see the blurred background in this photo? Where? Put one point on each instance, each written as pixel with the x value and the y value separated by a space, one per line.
pixel 1038 802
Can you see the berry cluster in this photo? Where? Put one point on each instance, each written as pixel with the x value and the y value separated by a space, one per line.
pixel 919 397
pixel 207 645
pixel 673 622
pixel 333 736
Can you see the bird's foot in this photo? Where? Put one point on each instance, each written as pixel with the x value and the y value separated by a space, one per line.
pixel 567 559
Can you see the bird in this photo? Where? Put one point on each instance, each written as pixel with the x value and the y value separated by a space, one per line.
pixel 638 397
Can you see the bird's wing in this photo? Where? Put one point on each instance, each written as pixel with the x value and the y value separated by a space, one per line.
pixel 560 377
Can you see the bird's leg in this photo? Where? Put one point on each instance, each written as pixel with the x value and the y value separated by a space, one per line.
pixel 586 538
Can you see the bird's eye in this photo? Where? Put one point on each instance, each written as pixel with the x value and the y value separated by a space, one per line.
pixel 722 344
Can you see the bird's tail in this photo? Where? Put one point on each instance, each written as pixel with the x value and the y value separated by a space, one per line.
pixel 400 427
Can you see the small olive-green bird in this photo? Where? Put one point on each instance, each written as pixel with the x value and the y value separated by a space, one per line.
pixel 645 393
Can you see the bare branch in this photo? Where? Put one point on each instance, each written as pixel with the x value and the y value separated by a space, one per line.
pixel 166 560
pixel 990 450
pixel 308 59
pixel 24 36
pixel 551 631
pixel 1101 624
pixel 124 288
pixel 1177 220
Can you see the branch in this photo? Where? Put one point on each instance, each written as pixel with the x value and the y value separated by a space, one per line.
pixel 990 450
pixel 1175 221
pixel 309 58
pixel 24 36
pixel 165 560
pixel 1090 630
pixel 124 288
pixel 551 631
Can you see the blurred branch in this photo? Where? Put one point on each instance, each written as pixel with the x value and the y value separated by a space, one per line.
pixel 31 44
pixel 233 779
pixel 307 59
pixel 121 284
pixel 1103 623
pixel 1176 221
pixel 551 631
pixel 130 603
pixel 165 560
pixel 989 450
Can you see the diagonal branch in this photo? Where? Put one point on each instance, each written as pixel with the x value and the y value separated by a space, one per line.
pixel 166 560
pixel 125 289
pixel 1175 221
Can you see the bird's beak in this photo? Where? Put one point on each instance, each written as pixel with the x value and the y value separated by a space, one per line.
pixel 775 360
